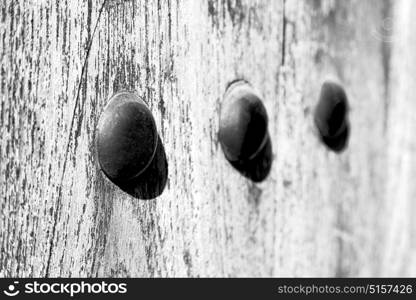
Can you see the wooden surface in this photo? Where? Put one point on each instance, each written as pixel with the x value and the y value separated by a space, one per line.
pixel 317 214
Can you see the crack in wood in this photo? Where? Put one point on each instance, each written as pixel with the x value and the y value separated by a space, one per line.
pixel 67 148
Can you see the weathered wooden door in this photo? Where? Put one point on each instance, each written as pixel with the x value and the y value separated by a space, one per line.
pixel 318 213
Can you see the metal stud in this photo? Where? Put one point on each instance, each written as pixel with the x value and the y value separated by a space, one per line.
pixel 127 137
pixel 331 116
pixel 243 132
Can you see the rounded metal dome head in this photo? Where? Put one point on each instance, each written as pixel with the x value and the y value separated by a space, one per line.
pixel 243 123
pixel 331 110
pixel 127 137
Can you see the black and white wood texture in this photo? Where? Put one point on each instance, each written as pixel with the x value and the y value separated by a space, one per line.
pixel 317 214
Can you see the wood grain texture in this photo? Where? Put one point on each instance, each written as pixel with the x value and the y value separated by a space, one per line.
pixel 317 214
pixel 400 227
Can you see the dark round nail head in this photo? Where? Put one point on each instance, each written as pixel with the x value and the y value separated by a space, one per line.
pixel 127 137
pixel 331 116
pixel 243 123
pixel 332 108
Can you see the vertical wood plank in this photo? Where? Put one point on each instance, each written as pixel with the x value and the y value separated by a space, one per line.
pixel 399 225
pixel 317 214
